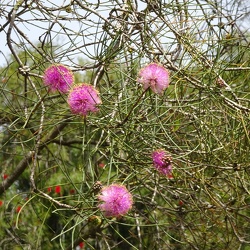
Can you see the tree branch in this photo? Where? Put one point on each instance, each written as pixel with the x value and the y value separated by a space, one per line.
pixel 28 158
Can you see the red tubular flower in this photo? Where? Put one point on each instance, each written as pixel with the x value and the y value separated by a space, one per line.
pixel 58 189
pixel 18 209
pixel 81 245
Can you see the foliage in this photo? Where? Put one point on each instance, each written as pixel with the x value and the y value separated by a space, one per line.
pixel 52 160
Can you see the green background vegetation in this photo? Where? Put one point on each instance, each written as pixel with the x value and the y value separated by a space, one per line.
pixel 202 120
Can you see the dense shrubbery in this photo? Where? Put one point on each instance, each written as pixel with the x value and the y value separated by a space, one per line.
pixel 72 178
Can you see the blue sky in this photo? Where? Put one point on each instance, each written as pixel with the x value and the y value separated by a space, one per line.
pixel 34 24
pixel 82 36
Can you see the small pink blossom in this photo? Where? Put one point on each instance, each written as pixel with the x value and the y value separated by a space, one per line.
pixel 154 76
pixel 116 200
pixel 162 162
pixel 58 77
pixel 84 98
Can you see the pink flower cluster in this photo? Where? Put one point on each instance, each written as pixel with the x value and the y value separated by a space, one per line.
pixel 154 76
pixel 84 98
pixel 162 162
pixel 58 77
pixel 115 200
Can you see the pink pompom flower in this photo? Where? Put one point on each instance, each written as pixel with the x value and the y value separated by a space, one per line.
pixel 162 162
pixel 115 200
pixel 154 76
pixel 58 77
pixel 84 98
